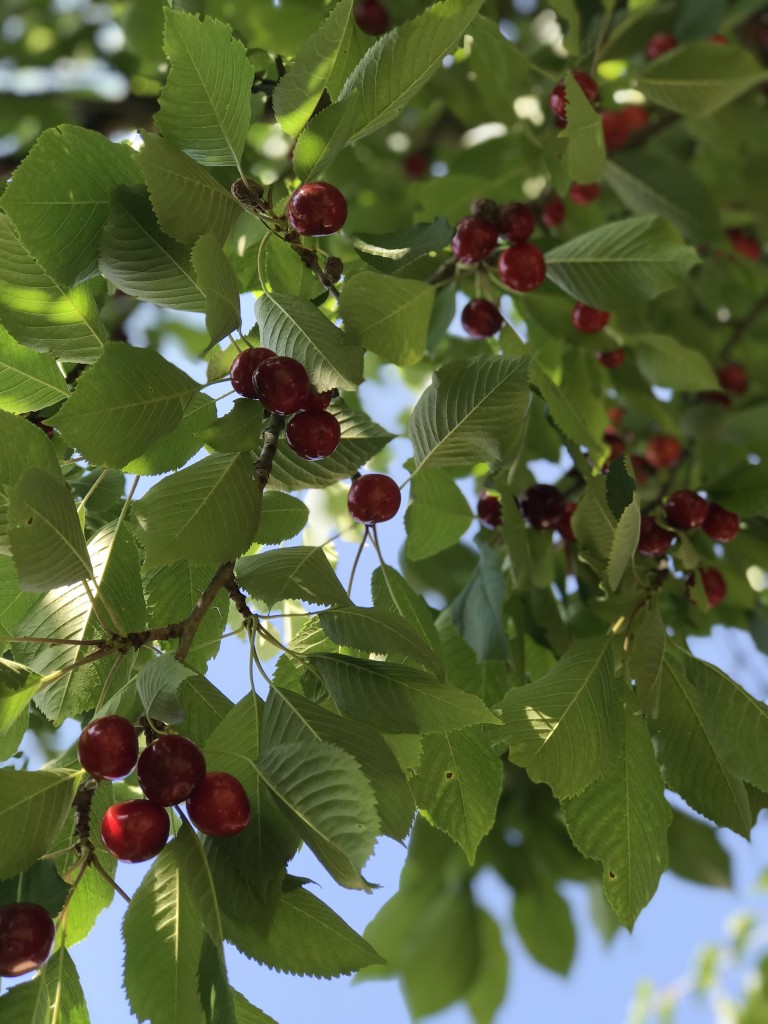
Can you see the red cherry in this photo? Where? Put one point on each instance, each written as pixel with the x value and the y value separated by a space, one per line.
pixel 715 397
pixel 654 540
pixel 588 319
pixel 553 212
pixel 244 366
pixel 480 318
pixel 516 222
pixel 718 39
pixel 616 444
pixel 316 208
pixel 373 498
pixel 416 165
pixel 169 769
pixel 745 245
pixel 313 435
pixel 282 385
pixel 642 469
pixel 27 932
pixel 686 509
pixel 543 506
pixel 564 525
pixel 489 510
pixel 475 239
pixel 720 524
pixel 135 830
pixel 108 747
pixel 583 194
pixel 616 130
pixel 559 102
pixel 636 118
pixel 522 267
pixel 660 42
pixel 615 414
pixel 319 400
pixel 219 806
pixel 371 17
pixel 612 359
pixel 733 377
pixel 663 451
pixel 714 585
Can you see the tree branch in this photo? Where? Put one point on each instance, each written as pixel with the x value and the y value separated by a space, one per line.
pixel 263 464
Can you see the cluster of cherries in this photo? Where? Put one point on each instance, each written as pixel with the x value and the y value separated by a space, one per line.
pixel 170 770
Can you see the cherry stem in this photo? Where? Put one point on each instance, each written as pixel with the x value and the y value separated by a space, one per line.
pixel 101 870
pixel 357 561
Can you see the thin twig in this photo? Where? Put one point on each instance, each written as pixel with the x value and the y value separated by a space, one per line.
pixel 198 613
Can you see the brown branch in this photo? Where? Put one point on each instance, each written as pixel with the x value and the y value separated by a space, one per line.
pixel 237 596
pixel 192 622
pixel 263 464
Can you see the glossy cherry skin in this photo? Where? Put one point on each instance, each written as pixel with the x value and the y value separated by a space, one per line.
pixel 720 524
pixel 686 509
pixel 583 194
pixel 733 377
pixel 475 239
pixel 108 747
pixel 373 498
pixel 663 451
pixel 612 359
pixel 660 42
pixel 480 318
pixel 169 769
pixel 588 319
pixel 714 585
pixel 489 510
pixel 243 367
pixel 219 806
pixel 558 101
pixel 654 540
pixel 319 400
pixel 745 245
pixel 313 435
pixel 553 212
pixel 316 208
pixel 616 130
pixel 371 17
pixel 522 267
pixel 543 506
pixel 516 222
pixel 282 384
pixel 135 830
pixel 27 932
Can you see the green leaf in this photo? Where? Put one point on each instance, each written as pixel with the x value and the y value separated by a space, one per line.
pixel 472 412
pixel 458 784
pixel 594 525
pixel 157 684
pixel 664 361
pixel 302 573
pixel 218 282
pixel 585 149
pixel 207 207
pixel 208 512
pixel 137 257
pixel 379 632
pixel 248 1014
pixel 691 755
pixel 624 544
pixel 29 380
pixel 54 996
pixel 205 107
pixel 239 430
pixel 391 252
pixel 33 806
pixel 621 263
pixel 486 994
pixel 543 921
pixel 41 314
pixel 15 678
pixel 437 516
pixel 44 532
pixel 286 272
pixel 294 327
pixel 391 592
pixel 657 183
pixel 125 402
pixel 397 698
pixel 282 517
pixel 567 414
pixel 622 818
pixel 174 449
pixel 163 934
pixel 478 613
pixel 322 64
pixel 743 489
pixel 564 728
pixel 388 315
pixel 646 658
pixel 59 217
pixel 489 680
pixel 700 78
pixel 22 446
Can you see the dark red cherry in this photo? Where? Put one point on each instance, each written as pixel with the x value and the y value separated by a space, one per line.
pixel 616 130
pixel 643 470
pixel 715 397
pixel 720 524
pixel 559 102
pixel 686 509
pixel 243 367
pixel 371 17
pixel 489 510
pixel 543 506
pixel 169 769
pixel 583 194
pixel 522 267
pixel 617 445
pixel 553 212
pixel 475 239
pixel 733 377
pixel 662 451
pixel 219 806
pixel 373 498
pixel 611 359
pixel 654 540
pixel 516 222
pixel 108 747
pixel 660 42
pixel 135 830
pixel 313 435
pixel 319 400
pixel 745 245
pixel 480 318
pixel 282 384
pixel 636 118
pixel 714 585
pixel 417 165
pixel 27 932
pixel 316 208
pixel 588 319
